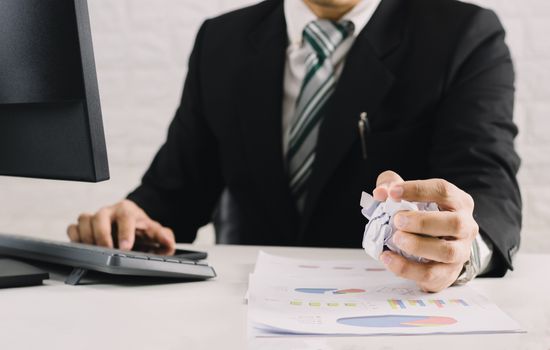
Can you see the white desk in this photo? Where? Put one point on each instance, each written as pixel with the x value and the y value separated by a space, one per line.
pixel 212 315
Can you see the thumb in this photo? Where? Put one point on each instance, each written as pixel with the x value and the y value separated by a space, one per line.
pixel 383 183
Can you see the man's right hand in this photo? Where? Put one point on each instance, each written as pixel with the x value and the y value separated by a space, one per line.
pixel 131 222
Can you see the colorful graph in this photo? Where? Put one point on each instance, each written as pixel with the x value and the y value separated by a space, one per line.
pixel 404 321
pixel 415 302
pixel 437 302
pixel 397 304
pixel 329 290
pixel 349 291
pixel 319 304
pixel 315 290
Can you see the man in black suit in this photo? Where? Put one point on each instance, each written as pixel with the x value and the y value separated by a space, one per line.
pixel 291 109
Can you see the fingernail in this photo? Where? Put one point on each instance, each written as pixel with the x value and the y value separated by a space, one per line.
pixel 396 191
pixel 401 221
pixel 386 259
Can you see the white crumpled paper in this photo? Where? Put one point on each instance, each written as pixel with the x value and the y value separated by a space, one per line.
pixel 380 228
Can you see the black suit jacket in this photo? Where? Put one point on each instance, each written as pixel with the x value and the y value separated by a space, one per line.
pixel 436 80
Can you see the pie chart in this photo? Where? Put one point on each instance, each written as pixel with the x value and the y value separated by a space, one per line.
pixel 349 291
pixel 315 290
pixel 399 321
pixel 329 290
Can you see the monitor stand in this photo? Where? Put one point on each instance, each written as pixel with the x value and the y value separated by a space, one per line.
pixel 15 273
pixel 76 275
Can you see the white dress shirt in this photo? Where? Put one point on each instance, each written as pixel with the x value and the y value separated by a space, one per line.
pixel 297 16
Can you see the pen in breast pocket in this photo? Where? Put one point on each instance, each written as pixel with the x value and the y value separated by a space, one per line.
pixel 363 129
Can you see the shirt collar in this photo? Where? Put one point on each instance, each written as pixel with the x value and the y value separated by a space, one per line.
pixel 298 15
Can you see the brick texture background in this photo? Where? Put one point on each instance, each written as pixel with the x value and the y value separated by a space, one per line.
pixel 141 49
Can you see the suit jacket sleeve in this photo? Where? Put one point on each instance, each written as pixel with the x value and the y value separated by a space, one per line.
pixel 182 186
pixel 473 142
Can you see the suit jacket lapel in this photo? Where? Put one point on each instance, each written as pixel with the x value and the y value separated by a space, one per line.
pixel 261 121
pixel 364 83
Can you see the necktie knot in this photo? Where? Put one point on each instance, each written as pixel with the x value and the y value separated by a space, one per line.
pixel 325 36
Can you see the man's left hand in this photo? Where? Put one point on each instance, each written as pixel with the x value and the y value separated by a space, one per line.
pixel 445 237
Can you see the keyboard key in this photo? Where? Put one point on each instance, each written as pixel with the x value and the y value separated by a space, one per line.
pixel 142 257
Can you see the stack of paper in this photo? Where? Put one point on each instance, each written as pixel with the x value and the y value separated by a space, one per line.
pixel 292 297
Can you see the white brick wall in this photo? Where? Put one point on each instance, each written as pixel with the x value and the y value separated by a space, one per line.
pixel 141 51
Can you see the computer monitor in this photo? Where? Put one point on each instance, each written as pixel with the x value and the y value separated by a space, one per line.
pixel 50 127
pixel 50 115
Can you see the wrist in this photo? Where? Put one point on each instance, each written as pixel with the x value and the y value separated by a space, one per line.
pixel 471 267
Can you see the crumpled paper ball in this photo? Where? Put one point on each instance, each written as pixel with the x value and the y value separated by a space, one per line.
pixel 381 228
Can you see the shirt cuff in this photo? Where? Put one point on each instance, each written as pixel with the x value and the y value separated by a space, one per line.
pixel 485 250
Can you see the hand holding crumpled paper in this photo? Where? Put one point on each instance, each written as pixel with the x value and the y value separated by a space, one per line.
pixel 380 228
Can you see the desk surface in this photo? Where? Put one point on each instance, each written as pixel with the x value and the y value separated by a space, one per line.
pixel 212 314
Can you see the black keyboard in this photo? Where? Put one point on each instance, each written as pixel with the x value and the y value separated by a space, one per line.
pixel 113 261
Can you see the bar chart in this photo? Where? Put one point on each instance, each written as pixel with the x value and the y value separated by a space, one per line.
pixel 398 304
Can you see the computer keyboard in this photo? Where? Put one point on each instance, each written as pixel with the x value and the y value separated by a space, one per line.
pixel 88 257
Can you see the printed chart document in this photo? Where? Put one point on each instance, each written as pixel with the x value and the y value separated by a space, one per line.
pixel 303 297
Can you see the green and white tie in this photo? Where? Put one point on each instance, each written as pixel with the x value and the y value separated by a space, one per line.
pixel 322 37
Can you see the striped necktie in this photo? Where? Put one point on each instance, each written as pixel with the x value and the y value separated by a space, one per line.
pixel 322 37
